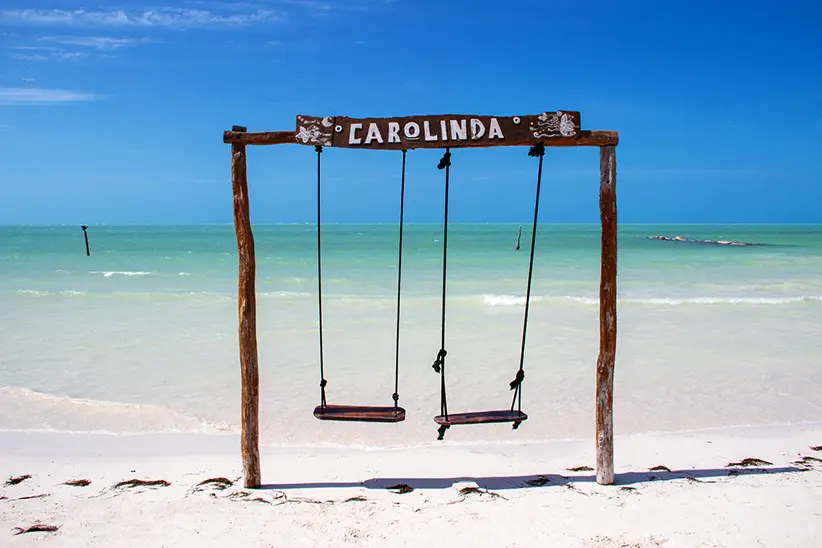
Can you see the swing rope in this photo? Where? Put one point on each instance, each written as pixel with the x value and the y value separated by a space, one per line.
pixel 439 362
pixel 537 150
pixel 396 395
pixel 323 382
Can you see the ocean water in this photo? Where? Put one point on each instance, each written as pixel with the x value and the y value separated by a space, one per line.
pixel 142 335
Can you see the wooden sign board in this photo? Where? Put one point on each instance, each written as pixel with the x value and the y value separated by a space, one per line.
pixel 438 131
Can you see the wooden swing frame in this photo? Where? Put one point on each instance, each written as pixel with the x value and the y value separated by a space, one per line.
pixel 519 132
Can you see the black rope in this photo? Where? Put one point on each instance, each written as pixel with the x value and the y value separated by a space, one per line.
pixel 396 395
pixel 323 382
pixel 439 363
pixel 537 150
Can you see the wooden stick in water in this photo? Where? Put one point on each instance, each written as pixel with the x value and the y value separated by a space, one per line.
pixel 88 252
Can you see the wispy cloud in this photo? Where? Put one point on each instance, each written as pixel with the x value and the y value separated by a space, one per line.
pixel 45 53
pixel 103 43
pixel 165 17
pixel 40 96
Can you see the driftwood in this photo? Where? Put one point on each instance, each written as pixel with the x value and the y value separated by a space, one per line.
pixel 78 483
pixel 607 318
pixel 247 304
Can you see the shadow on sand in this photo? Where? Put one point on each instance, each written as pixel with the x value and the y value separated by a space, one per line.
pixel 541 480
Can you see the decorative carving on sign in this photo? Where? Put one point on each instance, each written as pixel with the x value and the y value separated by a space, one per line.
pixel 314 131
pixel 553 124
pixel 439 131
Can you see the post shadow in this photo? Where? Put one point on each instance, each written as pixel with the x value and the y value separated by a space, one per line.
pixel 539 480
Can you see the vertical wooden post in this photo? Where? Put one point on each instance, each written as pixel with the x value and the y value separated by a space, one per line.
pixel 247 304
pixel 607 317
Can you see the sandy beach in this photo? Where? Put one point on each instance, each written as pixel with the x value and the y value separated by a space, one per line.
pixel 468 494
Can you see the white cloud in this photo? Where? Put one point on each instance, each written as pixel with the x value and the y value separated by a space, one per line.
pixel 156 17
pixel 40 96
pixel 105 43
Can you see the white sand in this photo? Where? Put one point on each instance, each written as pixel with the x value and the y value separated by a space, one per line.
pixel 307 501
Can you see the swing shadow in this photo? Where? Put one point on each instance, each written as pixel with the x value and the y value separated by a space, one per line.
pixel 498 483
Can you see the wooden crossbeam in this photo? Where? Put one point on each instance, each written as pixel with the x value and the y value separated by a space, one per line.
pixel 585 139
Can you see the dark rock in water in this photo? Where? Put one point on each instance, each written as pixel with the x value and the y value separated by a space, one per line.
pixel 696 241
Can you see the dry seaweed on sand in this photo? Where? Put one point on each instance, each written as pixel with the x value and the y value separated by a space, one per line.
pixel 78 483
pixel 400 488
pixel 470 490
pixel 660 468
pixel 807 460
pixel 142 483
pixel 580 469
pixel 358 498
pixel 40 496
pixel 37 527
pixel 217 483
pixel 538 482
pixel 816 448
pixel 749 462
pixel 15 480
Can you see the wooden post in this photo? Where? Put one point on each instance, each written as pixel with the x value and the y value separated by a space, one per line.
pixel 247 304
pixel 607 317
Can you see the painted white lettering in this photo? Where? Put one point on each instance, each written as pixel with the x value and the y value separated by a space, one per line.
pixel 412 131
pixel 393 132
pixel 459 130
pixel 477 128
pixel 494 131
pixel 443 130
pixel 352 132
pixel 427 127
pixel 373 134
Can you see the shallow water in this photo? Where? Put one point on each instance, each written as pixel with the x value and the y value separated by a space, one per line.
pixel 142 335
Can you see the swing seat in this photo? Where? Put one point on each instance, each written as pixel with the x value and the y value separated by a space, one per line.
pixel 359 413
pixel 481 417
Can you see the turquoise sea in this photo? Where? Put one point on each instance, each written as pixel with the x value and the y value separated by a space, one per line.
pixel 142 335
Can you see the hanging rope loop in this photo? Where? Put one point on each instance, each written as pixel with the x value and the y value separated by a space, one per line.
pixel 441 431
pixel 537 151
pixel 514 384
pixel 445 161
pixel 437 365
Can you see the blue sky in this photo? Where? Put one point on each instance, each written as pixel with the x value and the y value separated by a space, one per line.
pixel 115 113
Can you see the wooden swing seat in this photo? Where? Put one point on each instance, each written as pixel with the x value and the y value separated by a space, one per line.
pixel 481 417
pixel 359 413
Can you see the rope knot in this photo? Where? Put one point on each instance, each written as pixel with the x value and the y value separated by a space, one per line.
pixel 445 160
pixel 518 380
pixel 516 425
pixel 396 397
pixel 437 366
pixel 441 431
pixel 537 150
pixel 323 383
pixel 318 149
